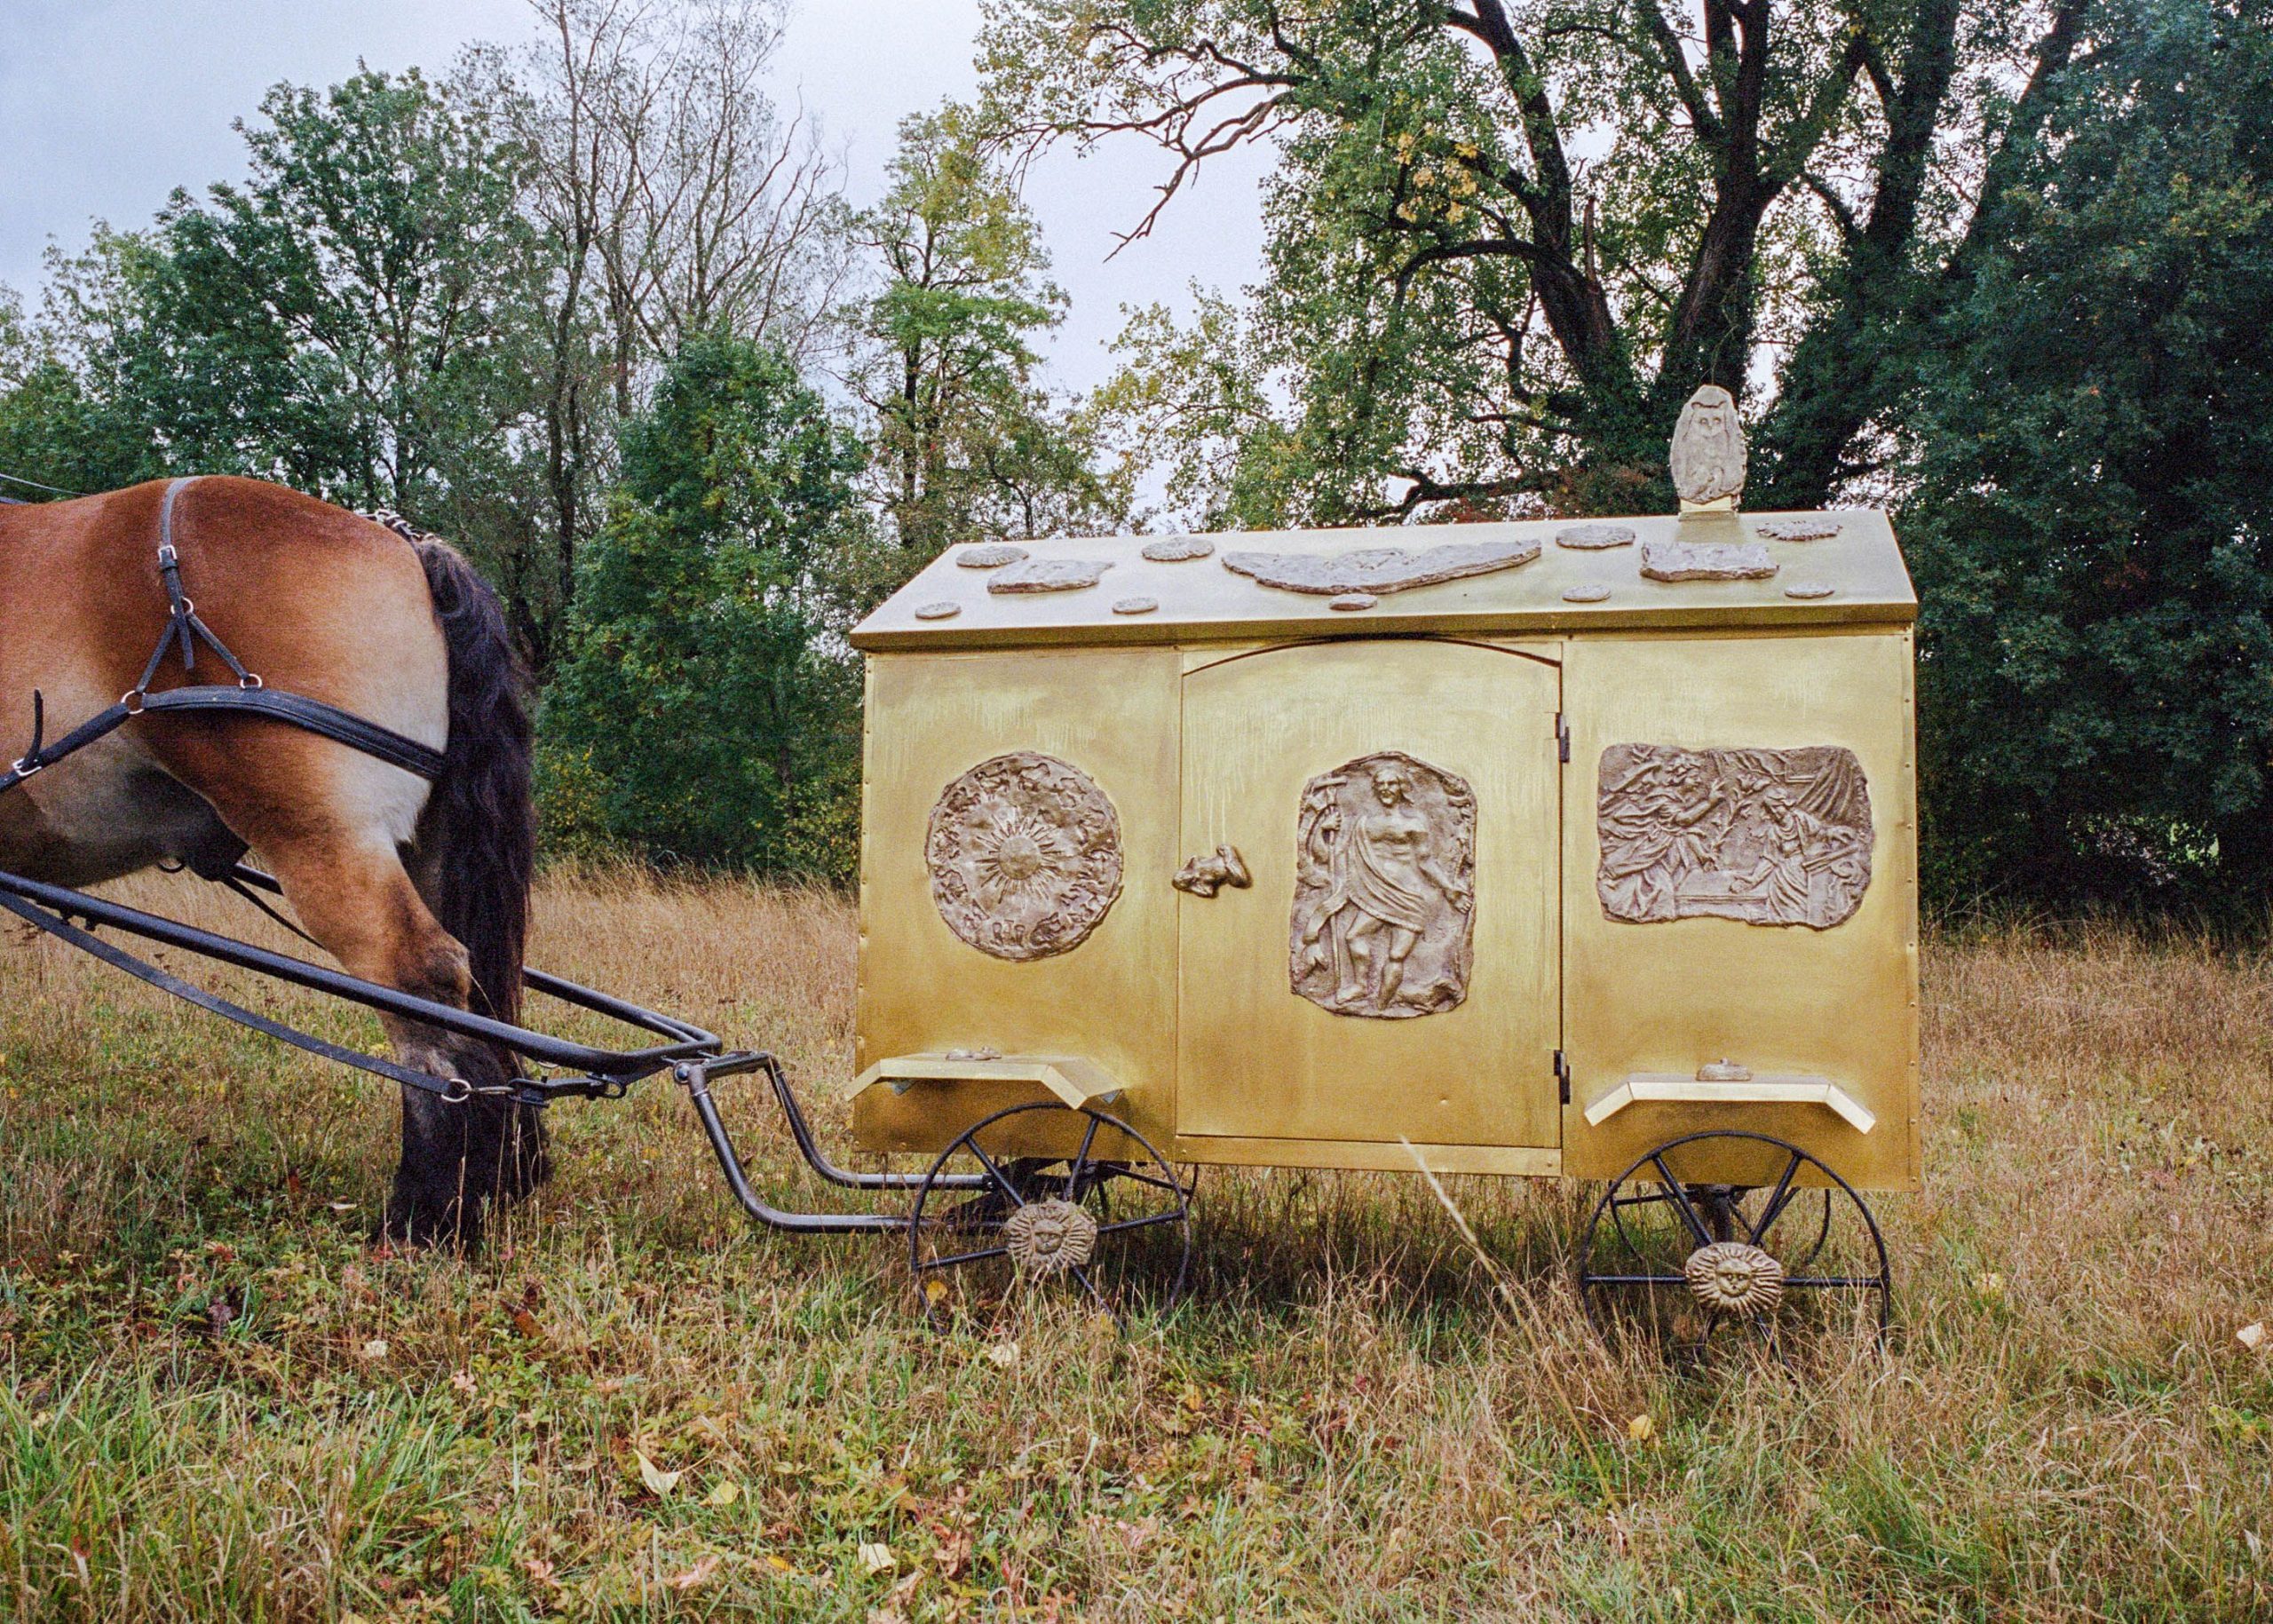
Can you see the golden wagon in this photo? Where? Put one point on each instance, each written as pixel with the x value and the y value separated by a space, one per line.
pixel 1557 849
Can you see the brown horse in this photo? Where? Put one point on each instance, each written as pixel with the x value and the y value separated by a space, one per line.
pixel 423 887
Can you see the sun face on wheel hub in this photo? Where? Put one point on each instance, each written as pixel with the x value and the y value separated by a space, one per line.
pixel 1734 1278
pixel 1050 1237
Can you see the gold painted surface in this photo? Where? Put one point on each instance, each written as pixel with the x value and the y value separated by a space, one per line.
pixel 1666 998
pixel 1358 1155
pixel 1259 1062
pixel 1659 1088
pixel 1201 601
pixel 1077 1081
pixel 1112 1000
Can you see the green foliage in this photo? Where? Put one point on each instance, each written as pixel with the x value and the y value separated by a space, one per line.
pixel 2092 451
pixel 706 712
pixel 1504 240
pixel 362 318
pixel 969 445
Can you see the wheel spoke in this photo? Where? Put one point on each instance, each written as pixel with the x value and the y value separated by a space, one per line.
pixel 1776 1200
pixel 1836 1282
pixel 963 1258
pixel 1680 1199
pixel 1632 1280
pixel 1179 1190
pixel 1128 1224
pixel 1000 1179
pixel 1080 1159
pixel 1082 1275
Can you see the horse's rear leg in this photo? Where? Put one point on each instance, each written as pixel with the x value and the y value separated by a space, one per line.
pixel 358 900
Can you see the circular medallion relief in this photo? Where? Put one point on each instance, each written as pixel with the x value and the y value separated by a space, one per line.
pixel 1024 854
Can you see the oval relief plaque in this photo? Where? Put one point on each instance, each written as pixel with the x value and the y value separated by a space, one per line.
pixel 1384 889
pixel 1024 854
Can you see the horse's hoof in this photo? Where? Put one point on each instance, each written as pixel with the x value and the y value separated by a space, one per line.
pixel 430 1228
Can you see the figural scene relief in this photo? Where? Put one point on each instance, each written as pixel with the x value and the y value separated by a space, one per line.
pixel 1384 889
pixel 1024 854
pixel 1771 837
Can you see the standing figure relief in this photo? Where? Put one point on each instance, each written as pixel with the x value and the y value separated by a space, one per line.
pixel 1384 889
pixel 1772 837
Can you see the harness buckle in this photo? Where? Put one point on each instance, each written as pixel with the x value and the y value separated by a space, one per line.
pixel 131 700
pixel 251 680
pixel 24 767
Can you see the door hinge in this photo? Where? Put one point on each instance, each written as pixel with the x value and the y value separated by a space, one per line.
pixel 1562 738
pixel 1562 1077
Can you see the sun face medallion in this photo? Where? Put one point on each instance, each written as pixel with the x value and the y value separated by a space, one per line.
pixel 1024 854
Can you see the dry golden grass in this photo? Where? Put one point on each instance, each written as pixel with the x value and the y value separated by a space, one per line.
pixel 219 1404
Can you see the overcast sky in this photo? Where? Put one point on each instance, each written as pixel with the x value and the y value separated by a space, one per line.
pixel 106 106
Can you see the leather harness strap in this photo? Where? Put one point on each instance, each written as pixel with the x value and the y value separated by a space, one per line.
pixel 186 630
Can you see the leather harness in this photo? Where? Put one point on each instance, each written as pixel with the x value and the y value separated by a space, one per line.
pixel 185 629
pixel 248 696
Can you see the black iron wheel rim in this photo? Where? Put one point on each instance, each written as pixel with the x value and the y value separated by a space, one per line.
pixel 977 1253
pixel 1609 1295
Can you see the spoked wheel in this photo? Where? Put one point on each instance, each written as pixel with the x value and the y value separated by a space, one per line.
pixel 1680 1262
pixel 1109 1233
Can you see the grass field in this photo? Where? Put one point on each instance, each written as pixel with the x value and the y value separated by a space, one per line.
pixel 219 1403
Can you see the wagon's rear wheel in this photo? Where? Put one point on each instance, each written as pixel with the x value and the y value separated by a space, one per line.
pixel 1108 1233
pixel 1680 1262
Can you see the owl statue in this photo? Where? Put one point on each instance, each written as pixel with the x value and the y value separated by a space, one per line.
pixel 1709 450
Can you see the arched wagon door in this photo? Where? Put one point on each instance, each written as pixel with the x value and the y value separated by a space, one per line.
pixel 1392 972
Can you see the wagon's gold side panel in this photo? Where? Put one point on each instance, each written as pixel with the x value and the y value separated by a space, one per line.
pixel 1113 713
pixel 1839 1004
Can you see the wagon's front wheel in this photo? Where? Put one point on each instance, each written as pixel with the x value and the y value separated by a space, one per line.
pixel 1679 1261
pixel 1108 1227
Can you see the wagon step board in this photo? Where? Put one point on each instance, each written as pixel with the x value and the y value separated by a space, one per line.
pixel 1794 1089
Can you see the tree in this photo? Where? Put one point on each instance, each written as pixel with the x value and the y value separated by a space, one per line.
pixel 54 436
pixel 1464 306
pixel 2089 453
pixel 359 318
pixel 707 712
pixel 969 446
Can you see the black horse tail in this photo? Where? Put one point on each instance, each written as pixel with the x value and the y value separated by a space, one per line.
pixel 478 837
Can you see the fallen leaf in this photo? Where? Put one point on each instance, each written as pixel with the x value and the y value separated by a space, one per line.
pixel 877 1558
pixel 2253 1336
pixel 782 1564
pixel 1990 1284
pixel 935 1291
pixel 725 1493
pixel 464 1383
pixel 1642 1428
pixel 541 1571
pixel 697 1574
pixel 376 1348
pixel 220 1314
pixel 526 1323
pixel 1004 1353
pixel 343 1206
pixel 659 1482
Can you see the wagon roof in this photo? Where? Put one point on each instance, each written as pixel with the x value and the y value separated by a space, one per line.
pixel 1470 583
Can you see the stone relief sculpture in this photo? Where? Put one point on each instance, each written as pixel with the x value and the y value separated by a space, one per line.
pixel 1051 576
pixel 1706 561
pixel 1384 889
pixel 1771 837
pixel 1708 455
pixel 1379 569
pixel 1024 854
